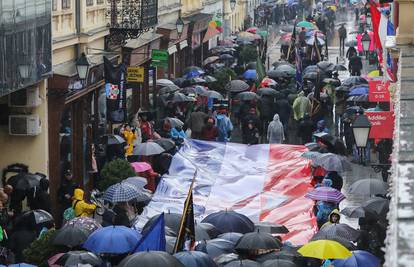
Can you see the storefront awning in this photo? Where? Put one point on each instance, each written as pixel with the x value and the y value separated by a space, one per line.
pixel 200 21
pixel 211 32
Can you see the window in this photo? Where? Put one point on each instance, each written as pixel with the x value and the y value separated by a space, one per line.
pixel 66 4
pixel 89 2
pixel 99 2
pixel 54 5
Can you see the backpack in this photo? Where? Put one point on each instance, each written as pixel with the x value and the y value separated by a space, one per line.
pixel 69 213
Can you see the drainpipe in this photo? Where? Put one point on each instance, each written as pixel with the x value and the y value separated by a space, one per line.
pixel 78 26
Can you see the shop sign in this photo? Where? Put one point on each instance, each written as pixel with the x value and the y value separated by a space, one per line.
pixel 378 91
pixel 382 124
pixel 159 57
pixel 135 74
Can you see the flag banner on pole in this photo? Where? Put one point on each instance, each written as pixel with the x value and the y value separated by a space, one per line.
pixel 154 238
pixel 298 77
pixel 115 91
pixel 260 70
pixel 265 182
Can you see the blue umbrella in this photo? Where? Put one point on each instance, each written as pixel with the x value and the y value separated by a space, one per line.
pixel 250 75
pixel 195 259
pixel 359 90
pixel 230 221
pixel 216 247
pixel 194 74
pixel 359 258
pixel 112 240
pixel 21 265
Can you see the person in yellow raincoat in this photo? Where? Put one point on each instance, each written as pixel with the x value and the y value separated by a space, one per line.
pixel 81 207
pixel 129 136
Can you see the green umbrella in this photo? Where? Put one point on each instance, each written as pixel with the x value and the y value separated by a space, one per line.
pixel 263 33
pixel 306 24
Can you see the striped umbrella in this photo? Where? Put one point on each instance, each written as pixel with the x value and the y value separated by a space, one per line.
pixel 325 193
pixel 124 192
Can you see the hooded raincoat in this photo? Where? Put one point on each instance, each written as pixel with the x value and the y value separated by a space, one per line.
pixel 275 133
pixel 329 222
pixel 79 204
pixel 301 106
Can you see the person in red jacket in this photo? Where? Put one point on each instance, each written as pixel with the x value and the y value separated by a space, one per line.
pixel 209 131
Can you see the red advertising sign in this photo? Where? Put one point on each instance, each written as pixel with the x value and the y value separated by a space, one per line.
pixel 378 91
pixel 382 124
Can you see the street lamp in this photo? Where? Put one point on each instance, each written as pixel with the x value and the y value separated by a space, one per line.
pixel 82 67
pixel 361 127
pixel 179 26
pixel 369 20
pixel 366 41
pixel 233 4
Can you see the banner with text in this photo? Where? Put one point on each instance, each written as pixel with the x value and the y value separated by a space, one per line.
pixel 378 91
pixel 382 124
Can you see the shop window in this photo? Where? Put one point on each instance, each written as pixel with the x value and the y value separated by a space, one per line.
pixel 66 4
pixel 65 138
pixel 89 2
pixel 100 2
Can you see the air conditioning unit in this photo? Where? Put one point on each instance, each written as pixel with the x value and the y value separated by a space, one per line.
pixel 24 125
pixel 25 98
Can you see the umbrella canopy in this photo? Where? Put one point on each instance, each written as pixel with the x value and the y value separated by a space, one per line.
pixel 324 249
pixel 325 65
pixel 258 240
pixel 252 29
pixel 332 162
pixel 251 66
pixel 179 81
pixel 342 88
pixel 373 74
pixel 178 97
pixel 378 204
pixel 137 182
pixel 343 241
pixel 359 258
pixel 24 181
pixel 358 98
pixel 195 259
pixel 354 80
pixel 112 240
pixel 70 236
pixel 77 258
pixel 369 187
pixel 211 230
pixel 226 57
pixel 175 122
pixel 313 32
pixel 165 143
pixel 196 80
pixel 124 192
pixel 232 237
pixel 141 166
pixel 306 24
pixel 148 149
pixel 230 221
pixel 34 217
pixel 168 89
pixel 151 258
pixel 282 71
pixel 114 139
pixel 327 194
pixel 226 258
pixel 250 74
pixel 246 96
pixel 286 253
pixel 339 67
pixel 237 86
pixel 193 74
pixel 339 230
pixel 279 263
pixel 163 82
pixel 359 212
pixel 310 76
pixel 210 60
pixel 209 79
pixel 216 247
pixel 192 68
pixel 351 43
pixel 267 92
pixel 271 228
pixel 214 95
pixel 85 223
pixel 267 82
pixel 311 41
pixel 312 146
pixel 358 90
pixel 333 82
pixel 242 263
pixel 311 68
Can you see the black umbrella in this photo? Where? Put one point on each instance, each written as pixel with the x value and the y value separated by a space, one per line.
pixel 242 263
pixel 230 221
pixel 311 68
pixel 339 67
pixel 150 258
pixel 267 91
pixel 342 89
pixel 214 94
pixel 312 146
pixel 359 212
pixel 282 71
pixel 211 230
pixel 165 143
pixel 179 97
pixel 198 89
pixel 357 98
pixel 70 236
pixel 281 63
pixel 168 89
pixel 271 228
pixel 196 80
pixel 369 187
pixel 114 139
pixel 216 247
pixel 226 258
pixel 354 80
pixel 179 81
pixel 339 230
pixel 232 237
pixel 287 253
pixel 331 81
pixel 246 96
pixel 257 240
pixel 279 263
pixel 237 86
pixel 325 65
pixel 226 57
pixel 378 204
pixel 195 259
pixel 24 181
pixel 35 217
pixel 251 66
pixel 310 75
pixel 209 79
pixel 77 258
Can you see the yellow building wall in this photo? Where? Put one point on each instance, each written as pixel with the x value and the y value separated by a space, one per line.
pixel 29 150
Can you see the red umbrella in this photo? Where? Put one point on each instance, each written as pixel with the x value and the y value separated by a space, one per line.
pixel 252 29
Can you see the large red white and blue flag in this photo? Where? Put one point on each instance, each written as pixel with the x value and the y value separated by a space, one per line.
pixel 265 182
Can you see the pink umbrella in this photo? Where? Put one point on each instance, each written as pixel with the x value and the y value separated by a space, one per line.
pixel 52 260
pixel 252 30
pixel 141 166
pixel 327 194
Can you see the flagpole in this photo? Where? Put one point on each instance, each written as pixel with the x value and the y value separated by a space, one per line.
pixel 184 217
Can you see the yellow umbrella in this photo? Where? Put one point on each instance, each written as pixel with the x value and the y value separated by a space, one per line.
pixel 332 7
pixel 373 74
pixel 324 249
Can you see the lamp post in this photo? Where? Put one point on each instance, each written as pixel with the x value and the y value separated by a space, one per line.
pixel 82 67
pixel 361 127
pixel 179 25
pixel 366 41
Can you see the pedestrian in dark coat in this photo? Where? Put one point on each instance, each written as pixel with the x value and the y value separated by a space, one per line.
pixel 196 123
pixel 351 52
pixel 39 197
pixel 284 109
pixel 252 116
pixel 306 129
pixel 355 65
pixel 66 190
pixel 342 37
pixel 20 240
pixel 251 134
pixel 121 216
pixel 210 131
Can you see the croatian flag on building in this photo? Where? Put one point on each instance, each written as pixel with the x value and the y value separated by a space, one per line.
pixel 265 182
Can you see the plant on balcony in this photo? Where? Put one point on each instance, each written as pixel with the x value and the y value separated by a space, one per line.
pixel 114 172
